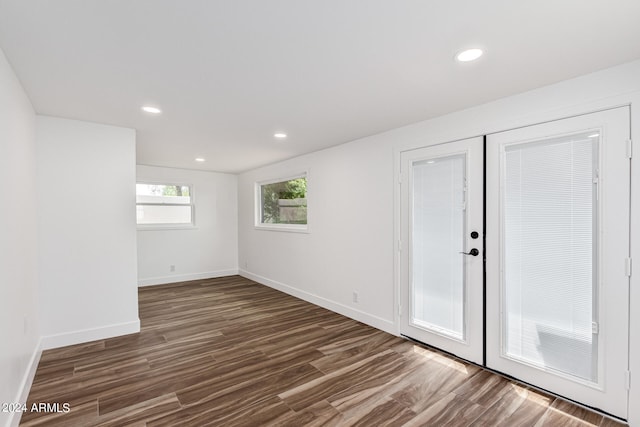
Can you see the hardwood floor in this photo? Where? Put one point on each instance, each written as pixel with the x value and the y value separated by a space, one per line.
pixel 230 352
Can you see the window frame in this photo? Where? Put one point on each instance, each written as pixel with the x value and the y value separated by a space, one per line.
pixel 168 226
pixel 293 228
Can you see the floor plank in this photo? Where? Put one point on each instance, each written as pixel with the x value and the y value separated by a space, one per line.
pixel 231 352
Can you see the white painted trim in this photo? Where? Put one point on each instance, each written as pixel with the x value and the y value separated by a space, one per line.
pixel 87 335
pixel 634 283
pixel 162 227
pixel 397 239
pixel 163 280
pixel 371 320
pixel 285 177
pixel 25 384
pixel 288 228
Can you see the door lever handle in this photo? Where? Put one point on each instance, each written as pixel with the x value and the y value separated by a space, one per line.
pixel 472 252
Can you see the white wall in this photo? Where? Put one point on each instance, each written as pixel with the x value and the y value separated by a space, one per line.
pixel 210 249
pixel 349 246
pixel 87 231
pixel 354 249
pixel 19 334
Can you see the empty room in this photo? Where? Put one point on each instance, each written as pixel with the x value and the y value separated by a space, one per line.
pixel 319 213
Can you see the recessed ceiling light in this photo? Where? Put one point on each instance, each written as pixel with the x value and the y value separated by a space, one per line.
pixel 469 55
pixel 280 135
pixel 199 159
pixel 152 110
pixel 595 135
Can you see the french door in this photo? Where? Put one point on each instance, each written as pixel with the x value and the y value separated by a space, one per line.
pixel 556 200
pixel 558 235
pixel 442 236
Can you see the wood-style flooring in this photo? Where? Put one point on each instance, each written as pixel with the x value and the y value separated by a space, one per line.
pixel 231 352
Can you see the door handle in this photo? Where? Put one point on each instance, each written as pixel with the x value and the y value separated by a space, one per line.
pixel 472 252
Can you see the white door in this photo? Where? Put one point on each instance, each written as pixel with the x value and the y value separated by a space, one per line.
pixel 442 247
pixel 557 243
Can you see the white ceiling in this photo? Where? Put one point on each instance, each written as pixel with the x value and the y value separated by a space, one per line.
pixel 229 73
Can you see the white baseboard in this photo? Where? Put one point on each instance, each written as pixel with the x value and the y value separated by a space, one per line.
pixel 360 316
pixel 25 384
pixel 86 335
pixel 185 277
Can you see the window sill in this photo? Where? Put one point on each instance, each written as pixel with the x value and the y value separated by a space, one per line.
pixel 288 228
pixel 159 227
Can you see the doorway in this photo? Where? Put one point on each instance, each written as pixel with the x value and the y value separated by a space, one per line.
pixel 546 301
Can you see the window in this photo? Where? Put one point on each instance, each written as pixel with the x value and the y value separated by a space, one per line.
pixel 282 204
pixel 164 204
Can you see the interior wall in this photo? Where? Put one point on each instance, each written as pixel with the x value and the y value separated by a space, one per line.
pixel 19 330
pixel 349 244
pixel 353 191
pixel 210 248
pixel 87 231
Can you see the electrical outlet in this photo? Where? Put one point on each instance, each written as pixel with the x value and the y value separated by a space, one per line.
pixel 246 264
pixel 355 296
pixel 172 268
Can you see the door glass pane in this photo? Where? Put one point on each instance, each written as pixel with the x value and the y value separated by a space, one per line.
pixel 437 239
pixel 549 214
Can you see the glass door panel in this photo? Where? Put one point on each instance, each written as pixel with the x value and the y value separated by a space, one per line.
pixel 549 223
pixel 437 240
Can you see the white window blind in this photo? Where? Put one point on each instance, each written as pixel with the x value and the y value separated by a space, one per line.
pixel 437 240
pixel 549 214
